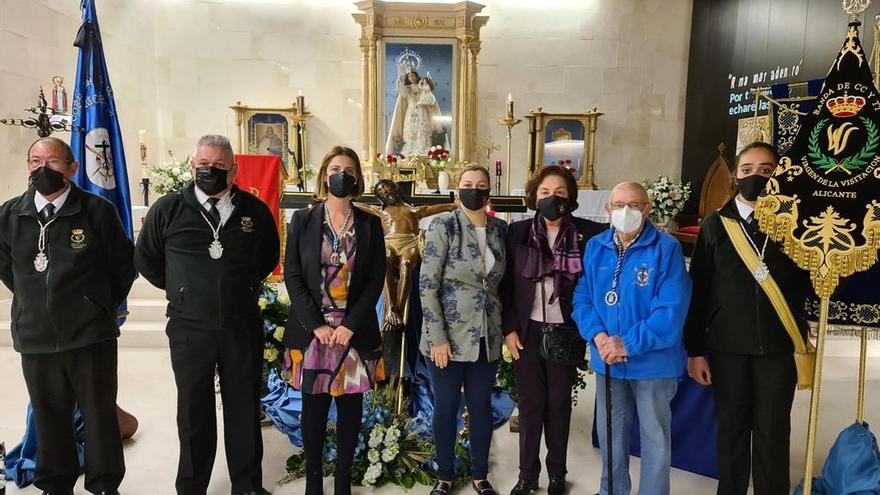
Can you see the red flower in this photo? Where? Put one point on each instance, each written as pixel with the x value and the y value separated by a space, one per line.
pixel 379 155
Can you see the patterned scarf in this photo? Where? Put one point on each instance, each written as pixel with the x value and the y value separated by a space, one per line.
pixel 562 261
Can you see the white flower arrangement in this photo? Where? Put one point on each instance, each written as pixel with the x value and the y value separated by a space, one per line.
pixel 378 456
pixel 390 453
pixel 171 176
pixel 391 436
pixel 376 436
pixel 667 197
pixel 372 474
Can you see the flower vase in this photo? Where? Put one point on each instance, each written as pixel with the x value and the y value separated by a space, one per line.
pixel 662 223
pixel 443 180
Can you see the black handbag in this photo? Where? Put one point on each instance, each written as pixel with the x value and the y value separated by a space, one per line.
pixel 560 343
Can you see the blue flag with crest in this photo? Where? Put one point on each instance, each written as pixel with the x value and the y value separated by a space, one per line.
pixel 96 140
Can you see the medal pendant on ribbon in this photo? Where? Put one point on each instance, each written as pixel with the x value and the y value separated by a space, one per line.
pixel 215 249
pixel 611 298
pixel 41 262
pixel 761 272
pixel 334 259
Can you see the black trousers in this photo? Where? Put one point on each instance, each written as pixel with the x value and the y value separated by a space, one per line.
pixel 315 408
pixel 57 383
pixel 753 397
pixel 477 379
pixel 237 356
pixel 544 390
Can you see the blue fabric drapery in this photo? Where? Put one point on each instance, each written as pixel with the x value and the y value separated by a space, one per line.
pixel 21 461
pixel 694 428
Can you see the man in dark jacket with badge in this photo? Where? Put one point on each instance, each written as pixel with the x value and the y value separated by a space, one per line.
pixel 209 247
pixel 68 262
pixel 737 338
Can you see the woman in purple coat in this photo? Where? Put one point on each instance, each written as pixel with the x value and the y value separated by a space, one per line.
pixel 543 264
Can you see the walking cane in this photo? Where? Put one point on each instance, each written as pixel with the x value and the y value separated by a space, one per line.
pixel 608 441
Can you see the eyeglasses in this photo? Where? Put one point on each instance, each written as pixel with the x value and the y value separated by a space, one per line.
pixel 634 205
pixel 51 163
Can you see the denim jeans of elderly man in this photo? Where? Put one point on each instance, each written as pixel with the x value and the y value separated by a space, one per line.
pixel 651 398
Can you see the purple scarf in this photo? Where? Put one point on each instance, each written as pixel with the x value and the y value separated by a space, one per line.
pixel 562 261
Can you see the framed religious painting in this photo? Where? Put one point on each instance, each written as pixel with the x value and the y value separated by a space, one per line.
pixel 273 131
pixel 419 80
pixel 568 140
pixel 419 96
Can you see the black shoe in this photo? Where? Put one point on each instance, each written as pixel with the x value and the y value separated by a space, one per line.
pixel 484 488
pixel 259 491
pixel 524 487
pixel 314 483
pixel 108 492
pixel 342 484
pixel 441 488
pixel 556 486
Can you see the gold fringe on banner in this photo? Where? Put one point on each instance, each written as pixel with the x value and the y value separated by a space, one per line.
pixel 826 247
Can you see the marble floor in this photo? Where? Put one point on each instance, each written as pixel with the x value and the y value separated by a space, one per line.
pixel 147 390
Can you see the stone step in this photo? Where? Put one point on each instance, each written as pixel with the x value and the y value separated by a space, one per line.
pixel 141 289
pixel 147 310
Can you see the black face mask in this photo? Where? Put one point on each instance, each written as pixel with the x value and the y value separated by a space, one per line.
pixel 341 184
pixel 46 181
pixel 473 199
pixel 750 187
pixel 553 207
pixel 211 180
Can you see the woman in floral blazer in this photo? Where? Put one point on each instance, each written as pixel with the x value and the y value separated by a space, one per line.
pixel 461 268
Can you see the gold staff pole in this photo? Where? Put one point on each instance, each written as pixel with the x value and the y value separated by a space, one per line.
pixel 509 122
pixel 402 366
pixel 814 396
pixel 863 363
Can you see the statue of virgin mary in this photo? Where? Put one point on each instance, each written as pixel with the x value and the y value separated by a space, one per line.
pixel 416 115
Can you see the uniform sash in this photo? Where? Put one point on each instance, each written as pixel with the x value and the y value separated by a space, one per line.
pixel 804 352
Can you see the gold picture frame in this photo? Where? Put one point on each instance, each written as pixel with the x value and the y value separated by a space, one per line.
pixel 288 124
pixel 455 24
pixel 574 134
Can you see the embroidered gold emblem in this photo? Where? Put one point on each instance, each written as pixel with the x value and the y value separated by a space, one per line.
pixel 77 238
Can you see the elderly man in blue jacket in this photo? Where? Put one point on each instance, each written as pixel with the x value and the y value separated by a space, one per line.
pixel 630 305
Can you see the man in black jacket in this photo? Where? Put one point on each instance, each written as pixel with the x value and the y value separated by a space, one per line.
pixel 68 262
pixel 733 323
pixel 209 247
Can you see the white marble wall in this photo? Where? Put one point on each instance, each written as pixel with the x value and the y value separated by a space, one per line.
pixel 176 65
pixel 36 42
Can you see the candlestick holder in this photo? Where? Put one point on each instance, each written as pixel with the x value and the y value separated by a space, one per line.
pixel 145 180
pixel 43 122
pixel 509 123
pixel 299 152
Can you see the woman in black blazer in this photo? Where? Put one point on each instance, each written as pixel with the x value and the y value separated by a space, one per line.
pixel 334 269
pixel 544 250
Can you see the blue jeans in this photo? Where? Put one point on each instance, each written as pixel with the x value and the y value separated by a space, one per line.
pixel 651 399
pixel 477 379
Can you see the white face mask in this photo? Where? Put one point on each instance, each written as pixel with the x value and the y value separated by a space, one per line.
pixel 626 220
